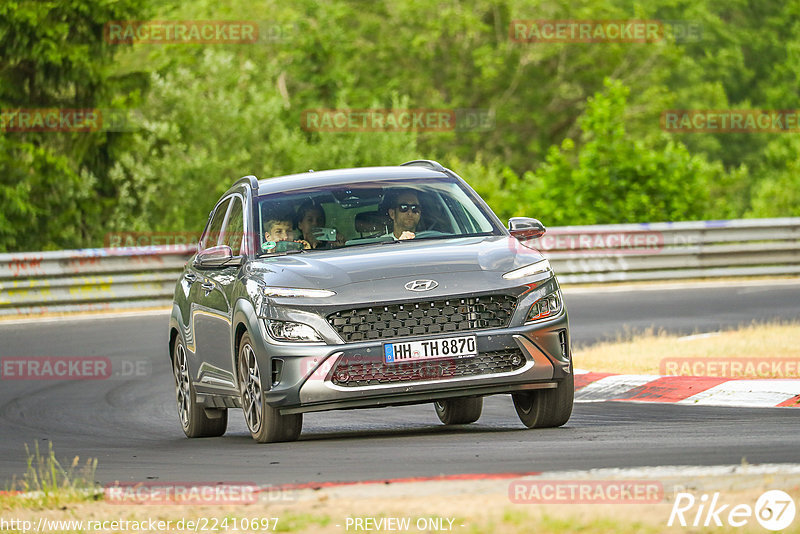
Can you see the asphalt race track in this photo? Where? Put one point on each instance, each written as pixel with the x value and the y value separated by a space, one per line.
pixel 129 423
pixel 604 315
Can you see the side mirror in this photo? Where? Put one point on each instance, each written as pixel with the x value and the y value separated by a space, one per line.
pixel 524 228
pixel 218 256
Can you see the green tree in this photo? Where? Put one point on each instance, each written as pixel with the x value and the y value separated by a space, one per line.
pixel 612 178
pixel 777 178
pixel 184 158
pixel 53 186
pixel 211 113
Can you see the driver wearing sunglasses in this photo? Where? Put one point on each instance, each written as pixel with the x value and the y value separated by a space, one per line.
pixel 405 212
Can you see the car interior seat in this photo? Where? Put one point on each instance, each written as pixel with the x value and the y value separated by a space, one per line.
pixel 372 223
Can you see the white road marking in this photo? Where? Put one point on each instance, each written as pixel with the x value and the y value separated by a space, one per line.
pixel 747 393
pixel 611 387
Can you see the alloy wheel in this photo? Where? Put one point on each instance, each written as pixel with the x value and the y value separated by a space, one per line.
pixel 181 371
pixel 250 381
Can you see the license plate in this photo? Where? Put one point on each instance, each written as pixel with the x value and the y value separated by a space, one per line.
pixel 446 347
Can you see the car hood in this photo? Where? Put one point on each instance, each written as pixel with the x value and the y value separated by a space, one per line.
pixel 407 259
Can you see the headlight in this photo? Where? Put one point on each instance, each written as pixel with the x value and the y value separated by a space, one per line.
pixel 296 292
pixel 529 270
pixel 289 331
pixel 544 308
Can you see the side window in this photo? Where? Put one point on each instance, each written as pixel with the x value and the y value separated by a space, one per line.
pixel 212 234
pixel 234 228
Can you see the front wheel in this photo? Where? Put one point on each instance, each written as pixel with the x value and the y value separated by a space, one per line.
pixel 546 408
pixel 196 421
pixel 266 424
pixel 459 411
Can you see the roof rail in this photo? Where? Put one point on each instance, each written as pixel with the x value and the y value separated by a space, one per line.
pixel 250 179
pixel 428 163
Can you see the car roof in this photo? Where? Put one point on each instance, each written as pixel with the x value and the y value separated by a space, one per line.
pixel 305 180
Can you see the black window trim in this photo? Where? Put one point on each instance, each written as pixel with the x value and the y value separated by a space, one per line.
pixel 211 218
pixel 224 228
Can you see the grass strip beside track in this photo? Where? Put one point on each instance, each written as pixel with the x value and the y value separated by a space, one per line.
pixel 643 353
pixel 481 506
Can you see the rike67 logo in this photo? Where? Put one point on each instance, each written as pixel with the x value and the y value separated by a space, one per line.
pixel 774 510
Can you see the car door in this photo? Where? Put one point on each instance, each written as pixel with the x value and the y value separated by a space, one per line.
pixel 193 278
pixel 211 312
pixel 219 290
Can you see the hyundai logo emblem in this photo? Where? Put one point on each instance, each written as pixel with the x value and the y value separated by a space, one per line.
pixel 421 285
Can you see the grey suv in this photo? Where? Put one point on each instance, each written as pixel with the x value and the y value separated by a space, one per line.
pixel 362 288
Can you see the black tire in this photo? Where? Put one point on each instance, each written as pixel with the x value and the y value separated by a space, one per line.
pixel 546 408
pixel 459 411
pixel 196 421
pixel 265 423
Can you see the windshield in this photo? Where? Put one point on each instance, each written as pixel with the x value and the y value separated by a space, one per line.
pixel 339 216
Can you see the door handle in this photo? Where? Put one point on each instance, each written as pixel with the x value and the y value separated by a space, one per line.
pixel 207 286
pixel 190 277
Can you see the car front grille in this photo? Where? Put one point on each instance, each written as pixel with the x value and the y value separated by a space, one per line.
pixel 354 373
pixel 424 317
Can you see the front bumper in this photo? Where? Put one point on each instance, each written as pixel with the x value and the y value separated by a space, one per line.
pixel 301 377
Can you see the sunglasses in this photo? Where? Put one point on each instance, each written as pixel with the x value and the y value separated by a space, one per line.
pixel 415 208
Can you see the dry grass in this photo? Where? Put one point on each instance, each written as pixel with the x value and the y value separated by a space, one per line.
pixel 473 508
pixel 643 353
pixel 48 484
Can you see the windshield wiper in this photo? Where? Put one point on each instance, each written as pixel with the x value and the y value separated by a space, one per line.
pixel 282 253
pixel 367 241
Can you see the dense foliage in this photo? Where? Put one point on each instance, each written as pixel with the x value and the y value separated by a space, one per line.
pixel 576 137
